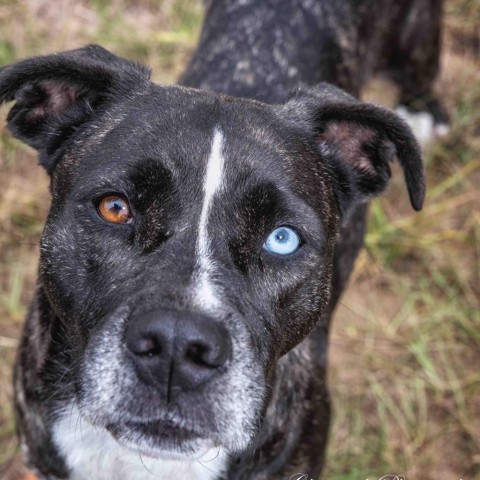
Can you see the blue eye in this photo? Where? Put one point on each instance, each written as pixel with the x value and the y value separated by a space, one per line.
pixel 282 241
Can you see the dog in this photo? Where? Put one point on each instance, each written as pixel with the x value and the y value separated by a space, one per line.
pixel 200 236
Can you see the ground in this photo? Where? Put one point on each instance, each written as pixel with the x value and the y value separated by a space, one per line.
pixel 405 346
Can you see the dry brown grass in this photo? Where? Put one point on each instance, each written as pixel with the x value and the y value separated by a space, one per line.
pixel 405 347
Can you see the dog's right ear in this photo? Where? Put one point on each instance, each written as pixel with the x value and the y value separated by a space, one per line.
pixel 357 141
pixel 55 94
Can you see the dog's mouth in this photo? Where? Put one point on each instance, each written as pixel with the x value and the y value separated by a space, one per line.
pixel 160 438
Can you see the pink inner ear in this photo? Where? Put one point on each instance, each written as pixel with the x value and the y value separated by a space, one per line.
pixel 348 142
pixel 58 97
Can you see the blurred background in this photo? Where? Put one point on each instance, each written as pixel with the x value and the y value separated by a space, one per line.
pixel 405 345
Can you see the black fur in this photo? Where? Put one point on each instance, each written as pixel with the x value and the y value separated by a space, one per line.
pixel 310 161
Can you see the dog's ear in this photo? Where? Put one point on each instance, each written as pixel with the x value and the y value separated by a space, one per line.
pixel 55 94
pixel 357 141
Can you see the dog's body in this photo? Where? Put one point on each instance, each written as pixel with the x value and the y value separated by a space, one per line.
pixel 207 177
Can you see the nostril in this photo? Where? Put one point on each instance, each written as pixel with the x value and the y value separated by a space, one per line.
pixel 146 347
pixel 198 354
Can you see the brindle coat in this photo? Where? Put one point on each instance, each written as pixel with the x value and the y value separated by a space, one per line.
pixel 67 105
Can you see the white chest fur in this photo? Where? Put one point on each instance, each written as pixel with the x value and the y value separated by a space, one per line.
pixel 92 454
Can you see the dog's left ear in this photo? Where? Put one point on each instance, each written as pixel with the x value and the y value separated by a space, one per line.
pixel 357 141
pixel 55 94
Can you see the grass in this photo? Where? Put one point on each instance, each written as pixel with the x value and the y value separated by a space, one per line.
pixel 405 345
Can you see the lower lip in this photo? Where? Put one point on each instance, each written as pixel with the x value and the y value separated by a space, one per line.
pixel 158 430
pixel 157 439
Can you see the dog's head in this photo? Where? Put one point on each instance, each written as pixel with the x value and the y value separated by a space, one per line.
pixel 190 239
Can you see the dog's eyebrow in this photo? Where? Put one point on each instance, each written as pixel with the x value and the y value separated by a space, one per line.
pixel 151 172
pixel 268 205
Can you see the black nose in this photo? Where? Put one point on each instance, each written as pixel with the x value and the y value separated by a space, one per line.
pixel 177 351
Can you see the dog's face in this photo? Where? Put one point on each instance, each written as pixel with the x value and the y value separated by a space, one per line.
pixel 190 240
pixel 155 255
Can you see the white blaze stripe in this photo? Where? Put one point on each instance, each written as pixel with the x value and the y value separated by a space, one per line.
pixel 212 183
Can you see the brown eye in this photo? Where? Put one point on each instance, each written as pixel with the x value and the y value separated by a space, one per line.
pixel 115 209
